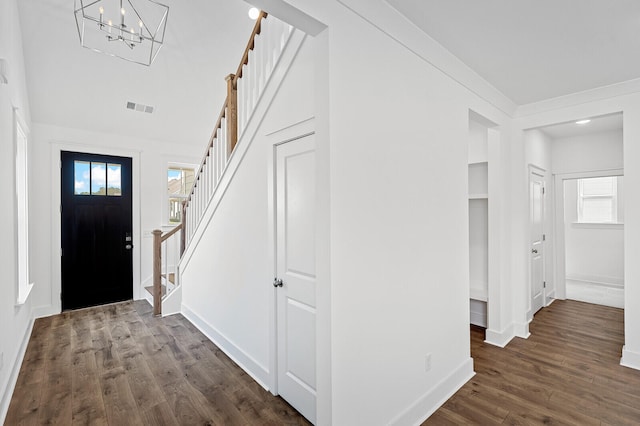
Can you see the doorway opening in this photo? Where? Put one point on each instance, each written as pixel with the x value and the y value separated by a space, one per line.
pixel 483 146
pixel 594 240
pixel 586 260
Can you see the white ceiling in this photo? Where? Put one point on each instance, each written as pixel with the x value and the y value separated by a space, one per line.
pixel 529 50
pixel 603 123
pixel 533 50
pixel 74 87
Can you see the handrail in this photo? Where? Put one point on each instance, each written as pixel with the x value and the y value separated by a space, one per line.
pixel 244 92
pixel 234 78
pixel 158 239
pixel 250 45
pixel 169 234
pixel 244 89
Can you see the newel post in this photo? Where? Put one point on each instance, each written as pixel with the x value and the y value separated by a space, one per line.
pixel 232 113
pixel 183 232
pixel 157 272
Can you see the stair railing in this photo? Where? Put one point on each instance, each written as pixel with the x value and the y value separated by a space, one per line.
pixel 165 275
pixel 244 88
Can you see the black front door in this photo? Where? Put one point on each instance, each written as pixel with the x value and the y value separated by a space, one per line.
pixel 97 243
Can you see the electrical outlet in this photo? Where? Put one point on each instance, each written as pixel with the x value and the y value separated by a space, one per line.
pixel 427 363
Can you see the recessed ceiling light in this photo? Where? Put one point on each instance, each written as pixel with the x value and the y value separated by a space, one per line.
pixel 254 12
pixel 583 121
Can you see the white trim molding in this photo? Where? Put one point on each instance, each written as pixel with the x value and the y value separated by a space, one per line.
pixel 500 338
pixel 13 375
pixel 630 359
pixel 428 403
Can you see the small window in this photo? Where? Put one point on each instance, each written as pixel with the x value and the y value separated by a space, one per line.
pixel 179 182
pixel 114 184
pixel 598 200
pixel 82 175
pixel 96 178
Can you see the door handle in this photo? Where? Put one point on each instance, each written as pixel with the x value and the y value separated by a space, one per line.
pixel 277 282
pixel 129 246
pixel 534 250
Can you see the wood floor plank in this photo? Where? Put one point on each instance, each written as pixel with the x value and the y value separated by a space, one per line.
pixel 87 403
pixel 187 405
pixel 119 402
pixel 25 405
pixel 144 388
pixel 566 372
pixel 56 387
pixel 159 415
pixel 119 365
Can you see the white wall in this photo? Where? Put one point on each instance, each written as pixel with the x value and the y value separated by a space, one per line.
pixel 227 282
pixel 397 129
pixel 400 271
pixel 149 186
pixel 586 153
pixel 478 141
pixel 539 154
pixel 15 320
pixel 594 253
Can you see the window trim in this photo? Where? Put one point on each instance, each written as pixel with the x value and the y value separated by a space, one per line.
pixel 21 210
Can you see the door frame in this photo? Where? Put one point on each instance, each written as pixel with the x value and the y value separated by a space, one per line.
pixel 279 137
pixel 56 217
pixel 559 259
pixel 533 169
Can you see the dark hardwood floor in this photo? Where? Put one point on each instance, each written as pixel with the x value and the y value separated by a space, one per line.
pixel 118 365
pixel 567 372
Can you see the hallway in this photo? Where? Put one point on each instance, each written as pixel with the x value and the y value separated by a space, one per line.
pixel 567 372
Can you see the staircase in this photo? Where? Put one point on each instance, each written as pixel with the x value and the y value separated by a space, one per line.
pixel 245 88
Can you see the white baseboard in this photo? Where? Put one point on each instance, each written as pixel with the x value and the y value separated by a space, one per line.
pixel 478 318
pixel 617 282
pixel 15 370
pixel 550 298
pixel 245 361
pixel 478 313
pixel 172 302
pixel 428 403
pixel 45 311
pixel 521 330
pixel 599 293
pixel 500 338
pixel 630 359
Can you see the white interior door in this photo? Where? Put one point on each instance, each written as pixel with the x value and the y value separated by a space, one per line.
pixel 536 194
pixel 296 274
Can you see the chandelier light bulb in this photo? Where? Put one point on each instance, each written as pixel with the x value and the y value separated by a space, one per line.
pixel 140 24
pixel 254 12
pixel 101 10
pixel 122 11
pixel 110 22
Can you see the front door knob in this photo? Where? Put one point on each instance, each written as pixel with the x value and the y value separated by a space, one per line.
pixel 277 282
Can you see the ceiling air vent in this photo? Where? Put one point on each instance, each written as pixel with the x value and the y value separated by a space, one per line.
pixel 139 107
